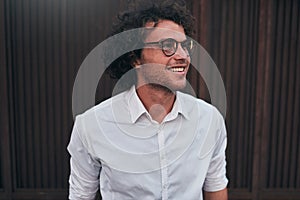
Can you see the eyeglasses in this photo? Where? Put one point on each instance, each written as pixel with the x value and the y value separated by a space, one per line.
pixel 169 46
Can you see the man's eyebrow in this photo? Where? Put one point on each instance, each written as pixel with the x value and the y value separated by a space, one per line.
pixel 165 38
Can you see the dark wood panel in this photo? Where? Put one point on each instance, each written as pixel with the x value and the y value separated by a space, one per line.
pixel 232 33
pixel 49 41
pixel 281 163
pixel 255 45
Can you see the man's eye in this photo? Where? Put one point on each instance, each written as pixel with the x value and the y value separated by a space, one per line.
pixel 168 45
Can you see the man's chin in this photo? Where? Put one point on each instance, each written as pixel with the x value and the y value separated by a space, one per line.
pixel 175 88
pixel 170 88
pixel 179 86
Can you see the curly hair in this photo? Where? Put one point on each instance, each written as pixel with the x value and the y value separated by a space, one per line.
pixel 138 15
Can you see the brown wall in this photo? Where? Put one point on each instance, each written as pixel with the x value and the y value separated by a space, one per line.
pixel 254 43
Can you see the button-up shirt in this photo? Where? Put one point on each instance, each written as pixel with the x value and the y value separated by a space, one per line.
pixel 118 147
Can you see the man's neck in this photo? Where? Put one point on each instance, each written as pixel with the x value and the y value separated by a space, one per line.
pixel 157 100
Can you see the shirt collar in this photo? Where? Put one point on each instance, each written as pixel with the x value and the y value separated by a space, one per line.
pixel 180 105
pixel 136 107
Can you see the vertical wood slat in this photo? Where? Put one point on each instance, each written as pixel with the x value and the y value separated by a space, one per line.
pixel 212 24
pixel 251 90
pixel 224 61
pixel 268 83
pixel 9 181
pixel 291 99
pixel 232 140
pixel 47 92
pixel 5 164
pixel 269 63
pixel 57 73
pixel 192 76
pixel 239 128
pixel 296 106
pixel 70 47
pixel 297 130
pixel 292 95
pixel 296 127
pixel 235 77
pixel 244 103
pixel 203 40
pixel 263 30
pixel 274 116
pixel 3 92
pixel 20 95
pixel 289 82
pixel 285 87
pixel 278 122
pixel 66 110
pixel 296 116
pixel 77 27
pixel 253 61
pixel 50 131
pixel 26 43
pixel 35 87
pixel 41 63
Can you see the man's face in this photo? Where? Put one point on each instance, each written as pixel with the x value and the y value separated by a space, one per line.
pixel 156 68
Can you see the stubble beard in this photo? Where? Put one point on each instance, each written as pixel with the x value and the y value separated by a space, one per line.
pixel 162 81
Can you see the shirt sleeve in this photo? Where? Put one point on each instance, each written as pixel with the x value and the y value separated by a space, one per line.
pixel 216 179
pixel 84 176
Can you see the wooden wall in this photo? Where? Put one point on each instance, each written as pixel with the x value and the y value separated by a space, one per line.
pixel 254 43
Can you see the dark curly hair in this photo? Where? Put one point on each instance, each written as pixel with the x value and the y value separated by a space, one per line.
pixel 139 13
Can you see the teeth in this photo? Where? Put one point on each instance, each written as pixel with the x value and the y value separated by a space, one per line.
pixel 177 69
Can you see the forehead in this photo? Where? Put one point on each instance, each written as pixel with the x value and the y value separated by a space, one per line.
pixel 164 29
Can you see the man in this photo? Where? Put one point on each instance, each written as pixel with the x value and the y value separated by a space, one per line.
pixel 151 141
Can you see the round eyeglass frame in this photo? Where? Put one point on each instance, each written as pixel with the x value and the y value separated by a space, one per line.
pixel 186 45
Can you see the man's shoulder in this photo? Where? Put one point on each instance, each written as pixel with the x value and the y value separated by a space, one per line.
pixel 104 108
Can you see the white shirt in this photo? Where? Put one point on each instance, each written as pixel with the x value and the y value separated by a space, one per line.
pixel 117 146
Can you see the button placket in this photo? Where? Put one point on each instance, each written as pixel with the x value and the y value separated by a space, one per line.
pixel 163 163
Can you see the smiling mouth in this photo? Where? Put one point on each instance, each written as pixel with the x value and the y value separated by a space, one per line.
pixel 177 69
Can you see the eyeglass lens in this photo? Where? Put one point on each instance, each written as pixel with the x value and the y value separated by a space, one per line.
pixel 169 46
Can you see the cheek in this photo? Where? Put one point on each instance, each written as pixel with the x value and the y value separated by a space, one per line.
pixel 153 56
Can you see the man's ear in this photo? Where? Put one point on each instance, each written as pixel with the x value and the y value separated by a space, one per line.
pixel 137 64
